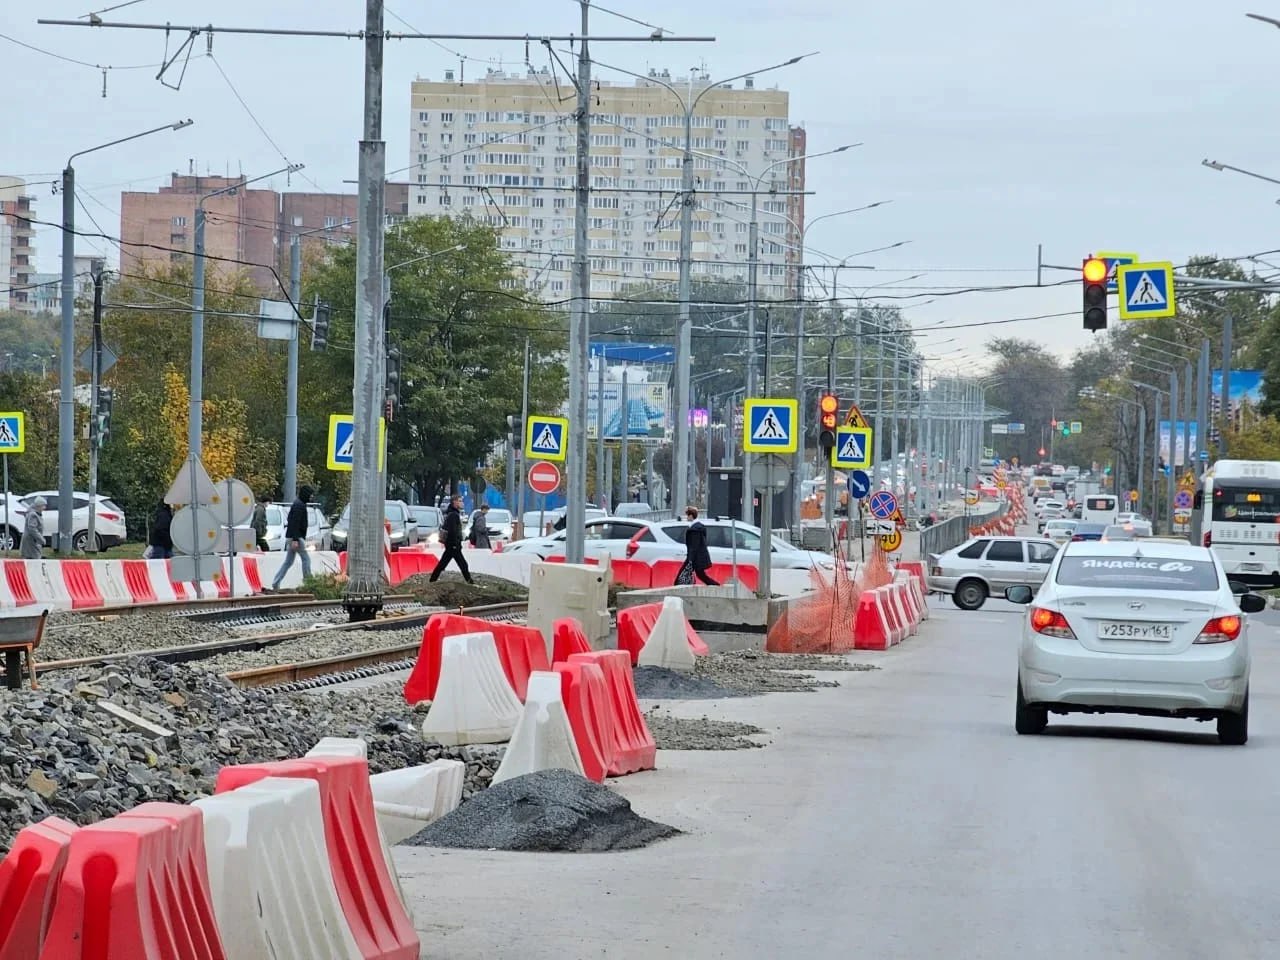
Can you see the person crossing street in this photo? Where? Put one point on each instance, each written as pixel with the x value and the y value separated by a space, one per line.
pixel 295 538
pixel 451 533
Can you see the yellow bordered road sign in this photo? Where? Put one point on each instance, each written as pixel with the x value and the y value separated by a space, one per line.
pixel 341 446
pixel 546 438
pixel 769 425
pixel 1146 290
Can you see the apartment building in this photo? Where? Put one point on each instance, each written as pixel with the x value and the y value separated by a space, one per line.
pixel 503 149
pixel 46 288
pixel 17 246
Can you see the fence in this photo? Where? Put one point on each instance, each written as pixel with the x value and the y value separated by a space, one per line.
pixel 952 532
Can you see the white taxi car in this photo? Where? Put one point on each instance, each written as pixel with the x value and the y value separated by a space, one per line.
pixel 1151 628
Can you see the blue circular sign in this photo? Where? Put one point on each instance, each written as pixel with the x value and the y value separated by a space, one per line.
pixel 882 504
pixel 859 484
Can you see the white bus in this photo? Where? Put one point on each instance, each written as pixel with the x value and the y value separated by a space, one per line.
pixel 1099 508
pixel 1238 507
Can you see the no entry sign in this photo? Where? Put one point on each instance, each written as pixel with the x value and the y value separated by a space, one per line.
pixel 544 477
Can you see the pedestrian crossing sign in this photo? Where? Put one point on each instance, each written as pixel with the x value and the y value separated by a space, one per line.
pixel 342 442
pixel 546 438
pixel 13 433
pixel 1114 261
pixel 770 426
pixel 1146 290
pixel 853 448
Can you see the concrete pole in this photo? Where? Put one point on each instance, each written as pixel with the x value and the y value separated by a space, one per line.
pixel 521 484
pixel 1226 386
pixel 607 485
pixel 291 382
pixel 893 430
pixel 797 479
pixel 67 364
pixel 1187 390
pixel 623 477
pixel 362 596
pixel 684 347
pixel 1171 480
pixel 95 426
pixel 579 332
pixel 602 488
pixel 753 245
pixel 1202 400
pixel 1155 466
pixel 1142 450
pixel 195 408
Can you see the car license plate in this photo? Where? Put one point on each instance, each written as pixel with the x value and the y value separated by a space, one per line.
pixel 1113 630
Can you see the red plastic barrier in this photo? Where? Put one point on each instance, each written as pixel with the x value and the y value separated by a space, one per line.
pixel 636 749
pixel 138 581
pixel 915 568
pixel 29 876
pixel 748 574
pixel 370 902
pixel 136 886
pixel 568 638
pixel 887 597
pixel 664 572
pixel 871 629
pixel 588 704
pixel 342 561
pixel 632 573
pixel 252 575
pixel 222 584
pixel 15 573
pixel 78 576
pixel 521 649
pixel 636 623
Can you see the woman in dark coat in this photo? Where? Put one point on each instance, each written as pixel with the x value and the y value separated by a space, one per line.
pixel 697 558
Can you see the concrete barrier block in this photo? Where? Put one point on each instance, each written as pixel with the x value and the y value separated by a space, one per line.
pixel 581 591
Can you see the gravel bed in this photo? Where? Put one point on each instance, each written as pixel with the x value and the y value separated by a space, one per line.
pixel 69 636
pixel 62 754
pixel 751 672
pixel 547 811
pixel 659 683
pixel 679 733
pixel 316 645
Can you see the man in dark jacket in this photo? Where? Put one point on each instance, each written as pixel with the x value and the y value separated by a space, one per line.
pixel 451 535
pixel 162 533
pixel 295 537
pixel 697 556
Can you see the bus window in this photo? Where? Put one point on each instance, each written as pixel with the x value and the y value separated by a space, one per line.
pixel 1245 505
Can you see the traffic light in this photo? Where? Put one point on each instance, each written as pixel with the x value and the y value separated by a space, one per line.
pixel 828 405
pixel 1066 429
pixel 1094 277
pixel 393 375
pixel 1042 451
pixel 515 432
pixel 104 413
pixel 320 326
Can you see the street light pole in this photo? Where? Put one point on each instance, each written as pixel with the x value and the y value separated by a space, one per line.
pixel 67 351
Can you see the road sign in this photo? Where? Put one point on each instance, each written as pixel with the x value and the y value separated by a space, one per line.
pixel 890 542
pixel 770 473
pixel 1204 455
pixel 882 504
pixel 1016 427
pixel 13 432
pixel 770 426
pixel 971 497
pixel 544 477
pixel 1113 261
pixel 1077 426
pixel 855 418
pixel 233 501
pixel 853 448
pixel 1146 290
pixel 1182 499
pixel 342 436
pixel 546 438
pixel 1002 483
pixel 1133 496
pixel 859 484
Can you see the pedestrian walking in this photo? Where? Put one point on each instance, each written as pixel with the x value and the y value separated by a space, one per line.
pixel 697 558
pixel 260 522
pixel 451 532
pixel 162 532
pixel 480 532
pixel 32 546
pixel 295 537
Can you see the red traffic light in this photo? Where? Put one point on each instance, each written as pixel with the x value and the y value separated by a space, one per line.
pixel 828 408
pixel 1053 424
pixel 1042 451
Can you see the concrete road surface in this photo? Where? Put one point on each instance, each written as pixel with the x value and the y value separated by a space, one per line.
pixel 899 816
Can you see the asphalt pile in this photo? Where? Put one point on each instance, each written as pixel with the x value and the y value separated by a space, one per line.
pixel 551 811
pixel 750 672
pixel 167 732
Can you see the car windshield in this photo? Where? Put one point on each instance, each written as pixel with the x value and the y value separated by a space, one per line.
pixel 275 517
pixel 1246 504
pixel 498 517
pixel 425 516
pixel 1137 573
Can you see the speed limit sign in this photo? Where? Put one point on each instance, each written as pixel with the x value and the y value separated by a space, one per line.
pixel 889 542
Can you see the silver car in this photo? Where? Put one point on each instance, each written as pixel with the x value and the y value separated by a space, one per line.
pixel 404 531
pixel 988 566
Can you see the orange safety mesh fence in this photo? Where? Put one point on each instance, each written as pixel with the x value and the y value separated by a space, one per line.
pixel 820 621
pixel 875 572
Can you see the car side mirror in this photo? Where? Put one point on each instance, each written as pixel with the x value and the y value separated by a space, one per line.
pixel 1253 603
pixel 1238 588
pixel 1018 594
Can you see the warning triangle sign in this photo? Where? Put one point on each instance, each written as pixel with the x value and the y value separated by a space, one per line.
pixel 547 440
pixel 192 474
pixel 1146 293
pixel 852 451
pixel 855 419
pixel 770 427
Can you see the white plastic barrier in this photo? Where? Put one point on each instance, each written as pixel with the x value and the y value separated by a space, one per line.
pixel 668 643
pixel 474 701
pixel 158 573
pixel 45 577
pixel 239 583
pixel 906 607
pixel 322 561
pixel 408 799
pixel 543 739
pixel 109 576
pixel 269 876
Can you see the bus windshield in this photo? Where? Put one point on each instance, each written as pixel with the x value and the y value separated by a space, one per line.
pixel 1241 504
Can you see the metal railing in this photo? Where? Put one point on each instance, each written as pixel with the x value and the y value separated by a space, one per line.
pixel 954 531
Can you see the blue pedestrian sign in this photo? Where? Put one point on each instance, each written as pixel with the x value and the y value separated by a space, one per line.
pixel 859 484
pixel 13 434
pixel 342 442
pixel 1114 261
pixel 546 438
pixel 1204 455
pixel 883 505
pixel 853 448
pixel 770 426
pixel 1146 290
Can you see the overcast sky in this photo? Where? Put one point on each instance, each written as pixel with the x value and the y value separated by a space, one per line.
pixel 991 126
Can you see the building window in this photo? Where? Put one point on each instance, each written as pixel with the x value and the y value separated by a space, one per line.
pixel 179 221
pixel 331 222
pixel 446 116
pixel 744 123
pixel 297 221
pixel 424 116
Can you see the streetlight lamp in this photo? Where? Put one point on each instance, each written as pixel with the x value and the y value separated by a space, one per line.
pixel 67 377
pixel 195 415
pixel 1187 387
pixel 1215 165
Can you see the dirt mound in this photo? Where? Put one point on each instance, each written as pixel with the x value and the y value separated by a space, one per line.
pixel 452 591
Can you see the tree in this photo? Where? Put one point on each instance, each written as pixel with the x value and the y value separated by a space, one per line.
pixel 1031 384
pixel 460 321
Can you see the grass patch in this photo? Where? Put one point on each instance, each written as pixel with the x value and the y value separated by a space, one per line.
pixel 324 586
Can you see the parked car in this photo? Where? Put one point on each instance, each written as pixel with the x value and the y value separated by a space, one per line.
pixel 109 520
pixel 10 536
pixel 428 520
pixel 633 508
pixel 404 532
pixel 987 566
pixel 319 530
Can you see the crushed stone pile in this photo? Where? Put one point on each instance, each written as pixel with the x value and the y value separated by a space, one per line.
pixel 750 672
pixel 69 636
pixel 551 811
pixel 451 591
pixel 680 733
pixel 659 683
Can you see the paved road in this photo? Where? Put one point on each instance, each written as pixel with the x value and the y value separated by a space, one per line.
pixel 899 816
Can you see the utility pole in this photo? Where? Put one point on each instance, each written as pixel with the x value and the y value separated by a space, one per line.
pixel 797 478
pixel 521 478
pixel 291 384
pixel 1173 445
pixel 680 458
pixel 753 247
pixel 579 333
pixel 623 474
pixel 1226 385
pixel 362 596
pixel 1202 400
pixel 602 489
pixel 67 363
pixel 95 418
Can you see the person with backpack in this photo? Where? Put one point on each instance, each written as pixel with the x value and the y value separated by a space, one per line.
pixel 451 535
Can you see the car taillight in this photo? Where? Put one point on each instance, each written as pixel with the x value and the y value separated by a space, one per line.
pixel 109 516
pixel 1220 630
pixel 1077 539
pixel 935 571
pixel 1207 539
pixel 1051 623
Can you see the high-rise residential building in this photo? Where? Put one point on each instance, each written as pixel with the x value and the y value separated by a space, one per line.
pixel 503 149
pixel 17 246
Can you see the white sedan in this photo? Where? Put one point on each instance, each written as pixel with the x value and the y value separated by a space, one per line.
pixel 1147 628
